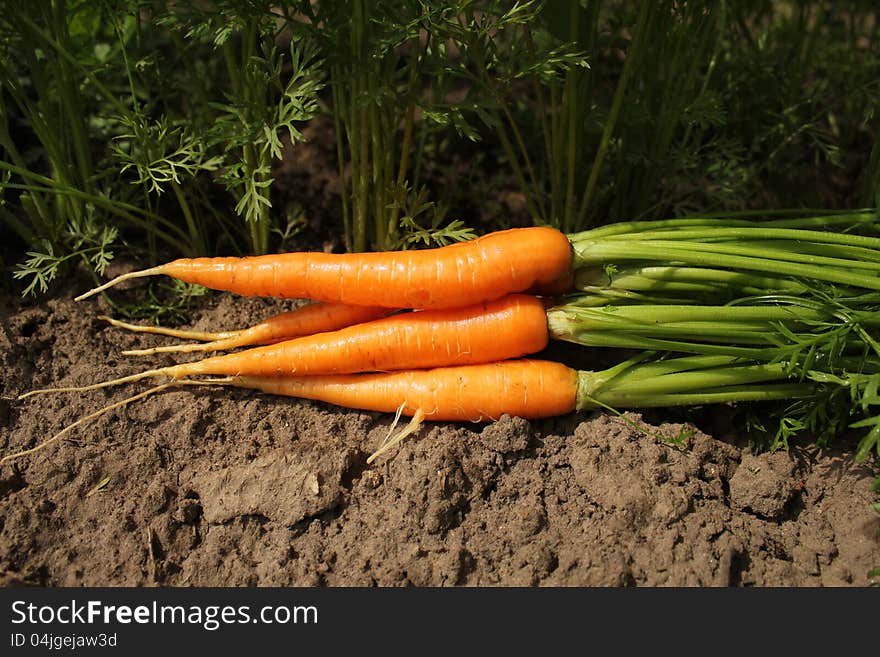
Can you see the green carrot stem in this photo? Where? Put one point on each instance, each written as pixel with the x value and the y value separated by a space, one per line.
pixel 769 392
pixel 684 279
pixel 842 251
pixel 598 252
pixel 742 219
pixel 595 296
pixel 737 233
pixel 629 340
pixel 686 380
pixel 691 313
pixel 718 377
pixel 790 254
pixel 663 366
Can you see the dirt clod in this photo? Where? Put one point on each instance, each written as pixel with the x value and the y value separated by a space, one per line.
pixel 763 484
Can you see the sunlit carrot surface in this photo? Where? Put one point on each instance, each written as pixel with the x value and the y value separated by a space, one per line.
pixel 460 274
pixel 532 388
pixel 526 388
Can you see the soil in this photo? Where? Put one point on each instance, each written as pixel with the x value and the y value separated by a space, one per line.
pixel 227 487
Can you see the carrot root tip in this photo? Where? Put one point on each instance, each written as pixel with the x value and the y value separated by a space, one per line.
pixel 110 407
pixel 82 420
pixel 153 350
pixel 391 439
pixel 124 277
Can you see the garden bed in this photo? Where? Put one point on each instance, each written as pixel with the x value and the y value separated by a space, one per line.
pixel 228 487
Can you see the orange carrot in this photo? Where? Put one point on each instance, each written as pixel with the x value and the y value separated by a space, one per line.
pixel 477 393
pixel 309 319
pixel 461 274
pixel 525 388
pixel 504 328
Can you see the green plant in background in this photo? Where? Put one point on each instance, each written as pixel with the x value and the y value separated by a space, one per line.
pixel 51 62
pixel 251 123
pixel 163 156
pixel 773 109
pixel 669 104
pixel 160 121
pixel 605 130
pixel 108 106
pixel 513 88
pixel 71 121
pixel 266 94
pixel 366 110
pixel 43 68
pixel 799 82
pixel 385 67
pixel 84 240
pixel 617 110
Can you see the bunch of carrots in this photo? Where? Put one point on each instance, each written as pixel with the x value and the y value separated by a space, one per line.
pixel 718 309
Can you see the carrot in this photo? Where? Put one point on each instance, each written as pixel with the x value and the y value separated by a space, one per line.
pixel 538 389
pixel 460 274
pixel 510 327
pixel 477 393
pixel 525 388
pixel 309 319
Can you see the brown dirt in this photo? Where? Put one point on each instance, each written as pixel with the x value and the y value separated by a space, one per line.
pixel 227 487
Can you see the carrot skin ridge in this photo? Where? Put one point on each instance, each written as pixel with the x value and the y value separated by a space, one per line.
pixel 526 388
pixel 457 275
